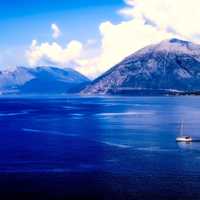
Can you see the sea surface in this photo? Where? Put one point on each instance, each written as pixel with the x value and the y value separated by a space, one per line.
pixel 105 148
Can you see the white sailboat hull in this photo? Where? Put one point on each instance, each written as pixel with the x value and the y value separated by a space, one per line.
pixel 184 139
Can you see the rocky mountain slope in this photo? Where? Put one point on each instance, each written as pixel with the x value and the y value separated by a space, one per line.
pixel 41 80
pixel 170 67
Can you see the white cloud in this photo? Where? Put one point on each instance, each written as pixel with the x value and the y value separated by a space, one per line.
pixel 82 57
pixel 143 22
pixel 178 16
pixel 55 31
pixel 121 40
pixel 52 53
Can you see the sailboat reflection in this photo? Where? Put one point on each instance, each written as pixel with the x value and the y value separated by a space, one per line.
pixel 189 145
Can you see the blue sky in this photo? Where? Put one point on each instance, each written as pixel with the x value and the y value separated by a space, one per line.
pixel 23 20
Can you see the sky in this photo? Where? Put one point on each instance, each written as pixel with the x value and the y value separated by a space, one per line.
pixel 89 36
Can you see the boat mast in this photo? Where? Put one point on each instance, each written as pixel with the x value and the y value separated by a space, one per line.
pixel 181 128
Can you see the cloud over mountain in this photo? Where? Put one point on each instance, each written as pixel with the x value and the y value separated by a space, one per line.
pixel 53 53
pixel 180 17
pixel 143 22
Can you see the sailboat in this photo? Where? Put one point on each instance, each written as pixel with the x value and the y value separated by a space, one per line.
pixel 183 138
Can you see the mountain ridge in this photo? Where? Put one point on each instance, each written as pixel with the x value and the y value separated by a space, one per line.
pixel 169 67
pixel 41 80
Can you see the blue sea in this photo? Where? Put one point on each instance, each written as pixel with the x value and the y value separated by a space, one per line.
pixel 105 148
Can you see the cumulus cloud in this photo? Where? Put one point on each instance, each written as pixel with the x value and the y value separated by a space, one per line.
pixel 52 53
pixel 55 31
pixel 176 16
pixel 121 40
pixel 81 57
pixel 143 22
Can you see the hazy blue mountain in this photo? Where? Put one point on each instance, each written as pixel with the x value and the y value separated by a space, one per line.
pixel 170 67
pixel 41 80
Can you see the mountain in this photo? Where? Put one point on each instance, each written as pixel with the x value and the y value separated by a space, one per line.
pixel 41 80
pixel 170 67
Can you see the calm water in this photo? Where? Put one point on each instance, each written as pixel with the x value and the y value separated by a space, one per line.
pixel 99 148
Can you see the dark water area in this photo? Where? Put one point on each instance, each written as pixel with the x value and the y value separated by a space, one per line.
pixel 105 148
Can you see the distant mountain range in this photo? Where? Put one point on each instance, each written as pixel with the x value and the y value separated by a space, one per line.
pixel 170 67
pixel 41 80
